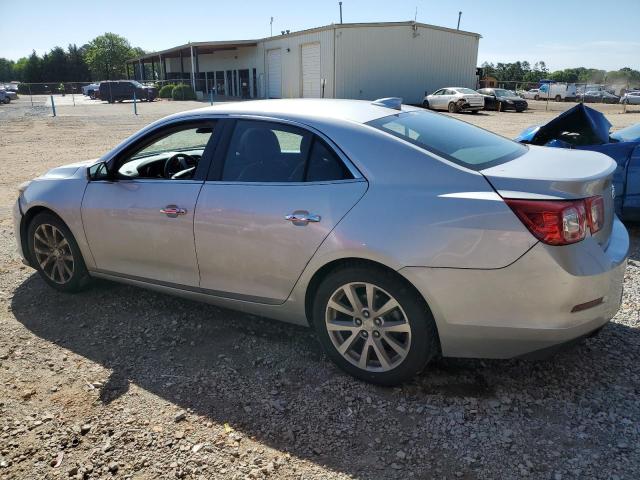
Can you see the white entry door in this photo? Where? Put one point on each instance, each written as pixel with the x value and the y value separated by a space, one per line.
pixel 311 70
pixel 274 72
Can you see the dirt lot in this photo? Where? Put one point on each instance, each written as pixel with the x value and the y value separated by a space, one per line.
pixel 119 382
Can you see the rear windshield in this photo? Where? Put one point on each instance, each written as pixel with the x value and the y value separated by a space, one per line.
pixel 455 140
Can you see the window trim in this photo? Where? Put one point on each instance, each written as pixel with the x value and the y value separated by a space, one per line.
pixel 147 138
pixel 229 124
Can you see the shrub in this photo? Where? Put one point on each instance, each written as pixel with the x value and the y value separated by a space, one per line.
pixel 166 91
pixel 183 92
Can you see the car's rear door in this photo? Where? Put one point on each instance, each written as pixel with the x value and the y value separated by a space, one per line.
pixel 141 227
pixel 274 192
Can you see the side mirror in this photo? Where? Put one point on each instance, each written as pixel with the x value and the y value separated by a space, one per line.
pixel 98 171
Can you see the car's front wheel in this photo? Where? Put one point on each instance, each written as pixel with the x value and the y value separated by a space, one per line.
pixel 55 253
pixel 374 325
pixel 425 104
pixel 452 108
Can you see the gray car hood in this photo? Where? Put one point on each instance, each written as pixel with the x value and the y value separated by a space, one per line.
pixel 66 171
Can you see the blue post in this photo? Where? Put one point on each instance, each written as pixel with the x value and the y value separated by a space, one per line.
pixel 211 96
pixel 53 106
pixel 135 105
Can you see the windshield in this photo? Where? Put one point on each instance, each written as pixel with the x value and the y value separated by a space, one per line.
pixel 455 140
pixel 137 84
pixel 467 91
pixel 500 92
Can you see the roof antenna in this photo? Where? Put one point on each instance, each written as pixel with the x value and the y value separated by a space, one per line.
pixel 459 16
pixel 271 24
pixel 340 3
pixel 415 16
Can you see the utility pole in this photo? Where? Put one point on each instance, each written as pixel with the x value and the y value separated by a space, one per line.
pixel 271 27
pixel 459 16
pixel 340 3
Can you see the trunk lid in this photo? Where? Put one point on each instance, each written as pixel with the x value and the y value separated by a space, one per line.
pixel 557 174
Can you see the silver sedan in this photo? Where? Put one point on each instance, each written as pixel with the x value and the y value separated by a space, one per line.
pixel 398 234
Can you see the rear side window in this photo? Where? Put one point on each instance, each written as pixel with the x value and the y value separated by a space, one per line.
pixel 261 151
pixel 455 140
pixel 323 164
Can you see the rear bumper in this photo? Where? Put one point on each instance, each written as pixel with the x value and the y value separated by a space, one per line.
pixel 526 306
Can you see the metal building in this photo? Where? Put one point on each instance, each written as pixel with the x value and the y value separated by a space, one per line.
pixel 356 60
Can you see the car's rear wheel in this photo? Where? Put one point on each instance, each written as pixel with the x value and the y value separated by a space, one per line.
pixel 374 325
pixel 558 98
pixel 453 108
pixel 536 98
pixel 55 253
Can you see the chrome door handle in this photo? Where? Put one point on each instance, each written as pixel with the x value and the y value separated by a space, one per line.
pixel 302 217
pixel 173 211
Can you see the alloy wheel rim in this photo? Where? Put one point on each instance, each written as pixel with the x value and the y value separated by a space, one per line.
pixel 53 253
pixel 368 327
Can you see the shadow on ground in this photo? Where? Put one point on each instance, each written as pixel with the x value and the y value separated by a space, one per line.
pixel 271 381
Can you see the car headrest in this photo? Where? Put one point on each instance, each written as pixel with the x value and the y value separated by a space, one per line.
pixel 259 144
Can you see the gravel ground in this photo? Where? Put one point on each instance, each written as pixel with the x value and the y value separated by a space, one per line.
pixel 119 382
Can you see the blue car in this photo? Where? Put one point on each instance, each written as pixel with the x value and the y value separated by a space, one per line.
pixel 583 128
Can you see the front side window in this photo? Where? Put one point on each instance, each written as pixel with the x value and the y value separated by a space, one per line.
pixel 457 141
pixel 272 152
pixel 174 155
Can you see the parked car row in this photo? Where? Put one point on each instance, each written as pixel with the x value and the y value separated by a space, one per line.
pixel 119 90
pixel 7 94
pixel 589 96
pixel 461 99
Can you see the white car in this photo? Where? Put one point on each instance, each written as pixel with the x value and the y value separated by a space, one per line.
pixel 631 98
pixel 454 100
pixel 533 94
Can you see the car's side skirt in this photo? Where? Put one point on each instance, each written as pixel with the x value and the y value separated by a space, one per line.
pixel 288 311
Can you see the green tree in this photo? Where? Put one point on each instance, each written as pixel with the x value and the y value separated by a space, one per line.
pixel 32 72
pixel 54 66
pixel 6 70
pixel 106 56
pixel 77 68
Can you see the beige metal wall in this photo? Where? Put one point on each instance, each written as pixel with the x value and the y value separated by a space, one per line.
pixel 402 61
pixel 291 61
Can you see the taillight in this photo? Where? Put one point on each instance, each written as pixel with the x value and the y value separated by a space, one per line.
pixel 595 213
pixel 559 222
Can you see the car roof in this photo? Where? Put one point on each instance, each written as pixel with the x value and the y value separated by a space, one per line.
pixel 359 111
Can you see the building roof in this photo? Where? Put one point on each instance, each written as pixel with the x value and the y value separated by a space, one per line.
pixel 210 47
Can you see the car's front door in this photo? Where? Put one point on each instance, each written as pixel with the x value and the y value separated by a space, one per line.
pixel 435 101
pixel 274 193
pixel 139 221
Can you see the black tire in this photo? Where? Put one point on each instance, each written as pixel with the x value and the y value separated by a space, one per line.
pixel 474 111
pixel 536 98
pixel 558 98
pixel 79 278
pixel 452 108
pixel 423 344
pixel 425 104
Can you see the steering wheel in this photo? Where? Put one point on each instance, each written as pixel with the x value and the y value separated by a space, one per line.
pixel 178 163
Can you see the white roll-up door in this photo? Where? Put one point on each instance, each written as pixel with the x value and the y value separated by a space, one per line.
pixel 311 70
pixel 274 73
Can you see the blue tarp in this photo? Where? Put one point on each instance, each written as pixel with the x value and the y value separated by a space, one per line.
pixel 581 119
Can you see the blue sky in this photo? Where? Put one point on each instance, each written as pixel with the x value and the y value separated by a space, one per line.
pixel 563 33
